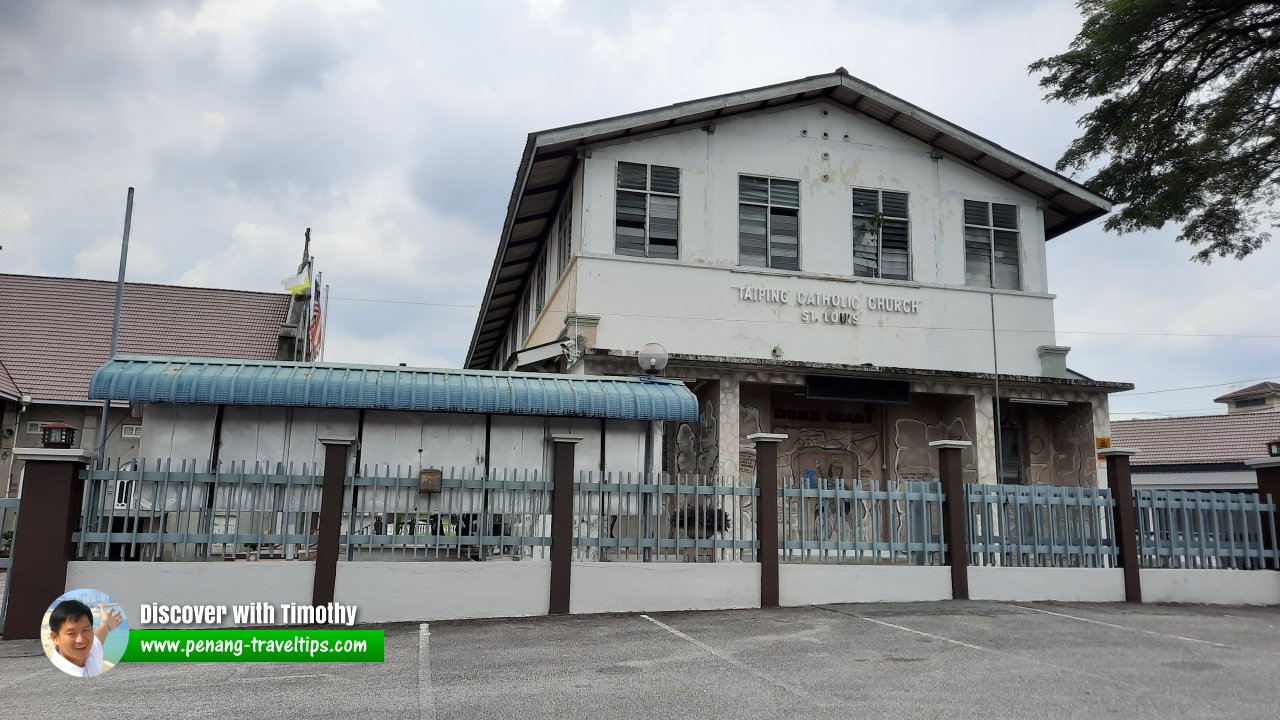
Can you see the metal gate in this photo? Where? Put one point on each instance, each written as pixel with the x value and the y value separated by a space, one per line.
pixel 8 529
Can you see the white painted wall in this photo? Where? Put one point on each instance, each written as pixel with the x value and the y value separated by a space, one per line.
pixel 657 587
pixel 1031 584
pixel 428 591
pixel 181 432
pixel 195 583
pixel 818 584
pixel 1211 587
pixel 691 305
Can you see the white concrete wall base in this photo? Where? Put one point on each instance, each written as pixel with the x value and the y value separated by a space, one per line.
pixel 1211 587
pixel 1030 584
pixel 658 587
pixel 195 583
pixel 821 584
pixel 426 591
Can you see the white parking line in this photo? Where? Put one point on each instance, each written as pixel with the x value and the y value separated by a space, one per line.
pixel 732 661
pixel 1132 629
pixel 426 693
pixel 919 632
pixel 993 651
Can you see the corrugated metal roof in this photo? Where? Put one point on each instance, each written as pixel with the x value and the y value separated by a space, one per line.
pixel 1198 440
pixel 205 381
pixel 55 331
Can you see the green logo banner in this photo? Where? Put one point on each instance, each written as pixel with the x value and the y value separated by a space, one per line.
pixel 255 645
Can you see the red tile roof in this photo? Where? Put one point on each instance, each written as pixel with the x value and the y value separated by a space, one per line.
pixel 1199 440
pixel 55 332
pixel 1262 388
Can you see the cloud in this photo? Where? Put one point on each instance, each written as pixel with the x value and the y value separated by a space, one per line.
pixel 394 130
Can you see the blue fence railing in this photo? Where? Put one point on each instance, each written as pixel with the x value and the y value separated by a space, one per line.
pixel 1198 529
pixel 1040 526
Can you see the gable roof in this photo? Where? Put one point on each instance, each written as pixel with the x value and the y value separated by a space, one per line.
pixel 1198 440
pixel 55 331
pixel 550 159
pixel 205 381
pixel 1263 388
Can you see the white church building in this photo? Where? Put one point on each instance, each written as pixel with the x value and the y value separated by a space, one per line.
pixel 819 258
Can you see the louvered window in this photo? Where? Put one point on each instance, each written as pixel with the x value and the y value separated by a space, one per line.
pixel 648 211
pixel 540 286
pixel 881 235
pixel 991 248
pixel 564 228
pixel 769 222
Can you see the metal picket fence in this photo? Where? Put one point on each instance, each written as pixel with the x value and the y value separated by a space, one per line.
pixel 8 529
pixel 471 516
pixel 825 521
pixel 188 511
pixel 661 517
pixel 1040 526
pixel 1197 529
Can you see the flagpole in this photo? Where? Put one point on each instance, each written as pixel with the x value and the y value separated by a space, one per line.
pixel 306 328
pixel 115 323
pixel 324 321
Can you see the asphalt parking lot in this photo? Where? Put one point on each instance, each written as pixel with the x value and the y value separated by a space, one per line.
pixel 925 660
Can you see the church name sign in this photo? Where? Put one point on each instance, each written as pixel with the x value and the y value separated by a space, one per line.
pixel 824 307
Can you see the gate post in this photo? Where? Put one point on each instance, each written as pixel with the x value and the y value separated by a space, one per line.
pixel 955 511
pixel 767 514
pixel 1268 470
pixel 1126 524
pixel 332 491
pixel 562 521
pixel 52 492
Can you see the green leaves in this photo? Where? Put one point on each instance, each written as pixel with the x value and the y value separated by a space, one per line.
pixel 1187 121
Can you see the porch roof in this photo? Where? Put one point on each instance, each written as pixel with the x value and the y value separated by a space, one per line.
pixel 210 381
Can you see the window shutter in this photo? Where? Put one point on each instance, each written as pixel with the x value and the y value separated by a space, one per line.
pixel 895 204
pixel 631 176
pixel 865 257
pixel 566 232
pixel 753 190
pixel 784 192
pixel 752 238
pixel 894 250
pixel 1006 261
pixel 1004 216
pixel 865 202
pixel 977 255
pixel 629 237
pixel 664 179
pixel 975 213
pixel 664 226
pixel 784 238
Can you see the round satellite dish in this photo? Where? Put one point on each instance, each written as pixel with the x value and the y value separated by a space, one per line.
pixel 652 358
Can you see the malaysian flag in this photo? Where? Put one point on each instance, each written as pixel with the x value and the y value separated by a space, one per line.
pixel 317 322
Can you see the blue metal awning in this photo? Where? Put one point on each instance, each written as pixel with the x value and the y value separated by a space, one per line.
pixel 210 381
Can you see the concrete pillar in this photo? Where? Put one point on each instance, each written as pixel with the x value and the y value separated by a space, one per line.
pixel 1268 470
pixel 562 520
pixel 1126 524
pixel 330 525
pixel 52 493
pixel 728 423
pixel 955 511
pixel 767 513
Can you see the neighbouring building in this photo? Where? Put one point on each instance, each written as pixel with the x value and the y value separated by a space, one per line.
pixel 819 258
pixel 56 331
pixel 1204 452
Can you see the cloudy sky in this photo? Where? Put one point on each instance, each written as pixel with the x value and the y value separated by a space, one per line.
pixel 393 129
